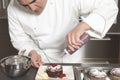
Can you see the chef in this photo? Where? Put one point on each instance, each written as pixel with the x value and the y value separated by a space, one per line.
pixel 42 29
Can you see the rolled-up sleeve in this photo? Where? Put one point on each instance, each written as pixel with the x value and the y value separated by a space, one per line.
pixel 19 39
pixel 101 17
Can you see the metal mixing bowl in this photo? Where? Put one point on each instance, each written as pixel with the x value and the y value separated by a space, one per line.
pixel 15 65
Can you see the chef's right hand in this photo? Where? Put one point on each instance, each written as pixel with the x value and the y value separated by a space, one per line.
pixel 36 59
pixel 73 37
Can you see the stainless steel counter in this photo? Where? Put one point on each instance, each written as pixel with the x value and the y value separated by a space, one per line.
pixel 77 68
pixel 30 75
pixel 82 72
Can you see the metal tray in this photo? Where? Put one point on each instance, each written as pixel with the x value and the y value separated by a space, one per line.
pixel 86 72
pixel 82 72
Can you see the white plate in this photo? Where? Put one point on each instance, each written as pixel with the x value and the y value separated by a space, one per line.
pixel 68 70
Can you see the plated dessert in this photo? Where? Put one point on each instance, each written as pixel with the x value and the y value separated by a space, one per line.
pixel 55 72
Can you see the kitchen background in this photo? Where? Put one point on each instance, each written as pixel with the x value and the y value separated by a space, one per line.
pixel 97 50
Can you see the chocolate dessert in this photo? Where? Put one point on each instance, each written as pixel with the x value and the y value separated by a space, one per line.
pixel 54 70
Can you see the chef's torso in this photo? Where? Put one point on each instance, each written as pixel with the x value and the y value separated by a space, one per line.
pixel 49 29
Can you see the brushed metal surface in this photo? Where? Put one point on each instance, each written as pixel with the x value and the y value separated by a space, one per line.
pixel 82 72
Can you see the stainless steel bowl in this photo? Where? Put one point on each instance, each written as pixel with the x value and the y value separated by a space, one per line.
pixel 16 65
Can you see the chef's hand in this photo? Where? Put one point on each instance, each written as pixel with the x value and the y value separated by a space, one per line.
pixel 36 59
pixel 73 37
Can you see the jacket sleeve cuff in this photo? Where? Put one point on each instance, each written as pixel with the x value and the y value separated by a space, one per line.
pixel 97 23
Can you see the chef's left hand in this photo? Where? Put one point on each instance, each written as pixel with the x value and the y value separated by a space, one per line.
pixel 73 37
pixel 36 59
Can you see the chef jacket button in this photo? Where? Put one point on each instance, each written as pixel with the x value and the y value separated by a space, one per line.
pixel 35 28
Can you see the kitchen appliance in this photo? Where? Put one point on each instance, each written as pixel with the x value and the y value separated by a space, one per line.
pixel 16 65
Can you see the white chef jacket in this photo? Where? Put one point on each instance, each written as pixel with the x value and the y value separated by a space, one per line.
pixel 47 31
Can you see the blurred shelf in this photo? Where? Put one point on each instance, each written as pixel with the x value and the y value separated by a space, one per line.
pixel 113 33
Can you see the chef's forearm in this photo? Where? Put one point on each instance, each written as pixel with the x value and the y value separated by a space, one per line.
pixel 84 26
pixel 81 28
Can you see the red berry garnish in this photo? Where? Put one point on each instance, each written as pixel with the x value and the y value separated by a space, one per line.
pixel 62 75
pixel 53 65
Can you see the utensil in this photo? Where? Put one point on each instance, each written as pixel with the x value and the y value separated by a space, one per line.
pixel 16 65
pixel 21 52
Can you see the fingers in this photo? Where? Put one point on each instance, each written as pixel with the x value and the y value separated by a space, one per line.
pixel 74 42
pixel 36 59
pixel 36 63
pixel 73 37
